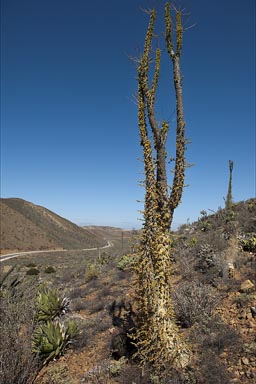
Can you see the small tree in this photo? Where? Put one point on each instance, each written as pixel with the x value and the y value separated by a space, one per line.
pixel 157 337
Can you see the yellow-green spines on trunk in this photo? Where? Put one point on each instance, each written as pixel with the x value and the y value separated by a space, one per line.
pixel 179 31
pixel 157 337
pixel 229 194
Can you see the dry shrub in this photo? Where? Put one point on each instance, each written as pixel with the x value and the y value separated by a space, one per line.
pixel 99 374
pixel 78 305
pixel 81 339
pixel 56 375
pixel 186 262
pixel 215 336
pixel 105 291
pixel 78 292
pixel 194 302
pixel 102 322
pixel 95 306
pixel 213 370
pixel 246 211
pixel 218 336
pixel 133 374
pixel 17 323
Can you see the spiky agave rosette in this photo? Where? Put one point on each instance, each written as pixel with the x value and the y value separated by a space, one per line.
pixel 50 339
pixel 51 304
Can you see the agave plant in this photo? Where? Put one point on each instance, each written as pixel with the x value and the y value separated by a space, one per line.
pixel 72 329
pixel 50 339
pixel 51 304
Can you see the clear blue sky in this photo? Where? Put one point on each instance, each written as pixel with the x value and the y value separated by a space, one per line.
pixel 69 135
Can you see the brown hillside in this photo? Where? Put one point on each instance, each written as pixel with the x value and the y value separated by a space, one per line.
pixel 110 233
pixel 26 226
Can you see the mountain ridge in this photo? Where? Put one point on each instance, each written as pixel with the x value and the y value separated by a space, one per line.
pixel 27 226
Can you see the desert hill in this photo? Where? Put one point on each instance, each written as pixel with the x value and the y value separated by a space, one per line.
pixel 110 233
pixel 26 226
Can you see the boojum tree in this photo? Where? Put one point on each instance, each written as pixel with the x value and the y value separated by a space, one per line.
pixel 229 194
pixel 157 337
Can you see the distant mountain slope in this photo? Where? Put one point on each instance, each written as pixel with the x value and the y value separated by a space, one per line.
pixel 109 233
pixel 26 226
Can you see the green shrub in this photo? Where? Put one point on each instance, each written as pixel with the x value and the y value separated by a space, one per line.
pixel 125 262
pixel 51 304
pixel 49 270
pixel 33 272
pixel 204 225
pixel 203 222
pixel 50 339
pixel 30 265
pixel 248 243
pixel 104 258
pixel 193 242
pixel 92 273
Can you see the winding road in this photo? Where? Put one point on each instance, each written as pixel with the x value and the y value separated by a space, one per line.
pixel 12 255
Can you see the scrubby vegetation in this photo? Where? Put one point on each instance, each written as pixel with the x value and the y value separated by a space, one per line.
pixel 87 338
pixel 18 321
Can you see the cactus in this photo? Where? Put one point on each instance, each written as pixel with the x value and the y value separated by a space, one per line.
pixel 51 304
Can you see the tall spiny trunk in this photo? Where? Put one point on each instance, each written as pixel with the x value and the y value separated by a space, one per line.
pixel 229 194
pixel 157 337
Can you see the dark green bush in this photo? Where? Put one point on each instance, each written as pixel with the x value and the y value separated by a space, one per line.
pixel 49 269
pixel 30 265
pixel 33 272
